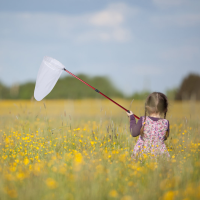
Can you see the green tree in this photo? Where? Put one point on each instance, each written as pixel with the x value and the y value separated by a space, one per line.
pixel 67 87
pixel 189 88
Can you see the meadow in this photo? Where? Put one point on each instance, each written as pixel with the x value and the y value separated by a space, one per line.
pixel 81 149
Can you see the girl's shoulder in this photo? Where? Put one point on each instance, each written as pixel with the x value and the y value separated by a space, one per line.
pixel 154 119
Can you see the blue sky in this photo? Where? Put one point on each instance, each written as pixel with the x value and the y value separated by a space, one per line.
pixel 138 44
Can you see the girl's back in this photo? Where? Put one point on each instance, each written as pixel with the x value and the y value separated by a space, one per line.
pixel 152 141
pixel 154 134
pixel 153 130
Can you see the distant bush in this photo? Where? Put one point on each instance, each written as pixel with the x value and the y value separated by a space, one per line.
pixel 4 92
pixel 66 88
pixel 190 88
pixel 140 95
pixel 70 87
pixel 171 93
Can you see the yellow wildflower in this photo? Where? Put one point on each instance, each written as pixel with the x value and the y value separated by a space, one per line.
pixel 113 193
pixel 51 183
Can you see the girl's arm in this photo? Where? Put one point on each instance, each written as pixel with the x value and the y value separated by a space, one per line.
pixel 135 128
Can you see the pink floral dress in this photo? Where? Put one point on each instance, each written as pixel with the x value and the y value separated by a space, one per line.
pixel 152 143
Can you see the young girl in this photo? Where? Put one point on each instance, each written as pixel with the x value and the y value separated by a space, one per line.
pixel 153 129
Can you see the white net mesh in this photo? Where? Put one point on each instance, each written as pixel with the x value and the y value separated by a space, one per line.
pixel 48 74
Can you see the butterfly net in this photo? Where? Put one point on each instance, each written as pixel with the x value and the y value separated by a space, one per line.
pixel 48 74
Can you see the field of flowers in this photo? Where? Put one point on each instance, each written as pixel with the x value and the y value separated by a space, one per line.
pixel 82 150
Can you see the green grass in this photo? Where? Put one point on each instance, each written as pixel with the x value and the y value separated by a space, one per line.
pixel 50 152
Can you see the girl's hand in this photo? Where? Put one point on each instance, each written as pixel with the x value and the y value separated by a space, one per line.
pixel 129 114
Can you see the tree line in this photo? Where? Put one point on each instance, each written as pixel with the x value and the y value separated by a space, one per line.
pixel 67 87
pixel 70 88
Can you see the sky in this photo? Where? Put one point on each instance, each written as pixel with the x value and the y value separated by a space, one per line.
pixel 139 44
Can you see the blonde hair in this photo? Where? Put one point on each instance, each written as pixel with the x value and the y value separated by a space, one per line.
pixel 156 102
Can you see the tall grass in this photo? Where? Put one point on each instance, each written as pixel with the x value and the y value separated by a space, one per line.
pixel 82 150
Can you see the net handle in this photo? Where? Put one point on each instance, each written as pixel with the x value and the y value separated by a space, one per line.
pixel 99 92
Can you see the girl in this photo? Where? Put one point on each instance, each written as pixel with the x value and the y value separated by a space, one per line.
pixel 153 129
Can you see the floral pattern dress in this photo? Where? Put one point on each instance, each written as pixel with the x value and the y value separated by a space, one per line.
pixel 153 140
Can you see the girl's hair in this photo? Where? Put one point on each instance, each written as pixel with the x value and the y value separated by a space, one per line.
pixel 156 102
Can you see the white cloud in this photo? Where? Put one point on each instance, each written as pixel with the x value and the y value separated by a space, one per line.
pixel 105 25
pixel 107 18
pixel 114 15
